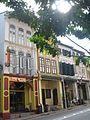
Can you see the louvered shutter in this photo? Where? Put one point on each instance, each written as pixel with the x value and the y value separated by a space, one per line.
pixel 17 59
pixel 24 64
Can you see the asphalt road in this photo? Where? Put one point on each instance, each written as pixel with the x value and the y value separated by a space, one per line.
pixel 76 113
pixel 79 114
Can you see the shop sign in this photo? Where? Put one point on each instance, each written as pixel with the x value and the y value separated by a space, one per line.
pixel 15 79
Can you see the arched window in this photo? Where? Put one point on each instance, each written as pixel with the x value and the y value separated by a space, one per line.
pixel 12 33
pixel 28 35
pixel 21 36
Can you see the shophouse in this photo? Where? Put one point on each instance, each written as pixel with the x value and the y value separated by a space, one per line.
pixel 88 77
pixel 18 75
pixel 82 79
pixel 71 75
pixel 50 89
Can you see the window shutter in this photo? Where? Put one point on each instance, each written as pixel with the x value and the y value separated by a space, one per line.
pixel 24 64
pixel 17 59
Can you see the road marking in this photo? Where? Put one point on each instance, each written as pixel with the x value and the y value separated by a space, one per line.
pixel 73 114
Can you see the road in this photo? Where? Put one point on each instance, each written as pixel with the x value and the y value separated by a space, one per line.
pixel 78 113
pixel 81 114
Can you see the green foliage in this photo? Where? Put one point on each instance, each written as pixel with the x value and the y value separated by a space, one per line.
pixel 4 1
pixel 22 12
pixel 84 60
pixel 45 45
pixel 51 23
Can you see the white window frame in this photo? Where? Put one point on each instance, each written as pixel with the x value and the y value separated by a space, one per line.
pixel 41 64
pixel 28 35
pixel 48 69
pixel 12 33
pixel 21 36
pixel 54 68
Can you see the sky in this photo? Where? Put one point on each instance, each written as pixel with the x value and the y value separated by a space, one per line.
pixel 84 43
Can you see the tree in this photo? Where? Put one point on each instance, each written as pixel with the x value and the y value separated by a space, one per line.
pixel 51 23
pixel 85 60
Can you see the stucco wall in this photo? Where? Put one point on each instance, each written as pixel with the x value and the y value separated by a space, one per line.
pixel 2 37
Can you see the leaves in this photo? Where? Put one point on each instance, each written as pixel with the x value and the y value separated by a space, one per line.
pixel 51 23
pixel 84 60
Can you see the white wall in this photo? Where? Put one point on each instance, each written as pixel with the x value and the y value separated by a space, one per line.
pixel 2 37
pixel 16 45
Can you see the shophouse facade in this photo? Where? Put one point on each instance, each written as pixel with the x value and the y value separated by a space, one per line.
pixel 50 89
pixel 88 77
pixel 72 76
pixel 18 76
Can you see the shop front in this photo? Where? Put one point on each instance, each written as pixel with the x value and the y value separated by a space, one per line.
pixel 50 93
pixel 19 94
pixel 70 90
pixel 82 91
pixel 17 97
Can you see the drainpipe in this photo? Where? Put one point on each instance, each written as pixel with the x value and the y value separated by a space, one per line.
pixel 38 78
pixel 64 93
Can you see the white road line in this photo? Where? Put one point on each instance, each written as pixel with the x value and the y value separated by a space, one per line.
pixel 73 114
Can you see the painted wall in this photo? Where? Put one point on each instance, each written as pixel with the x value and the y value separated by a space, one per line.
pixel 2 37
pixel 49 84
pixel 4 42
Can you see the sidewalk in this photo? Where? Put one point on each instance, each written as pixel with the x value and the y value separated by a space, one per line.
pixel 32 116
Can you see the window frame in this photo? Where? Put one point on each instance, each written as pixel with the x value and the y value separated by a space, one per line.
pixel 48 66
pixel 41 66
pixel 28 35
pixel 21 36
pixel 12 33
pixel 54 67
pixel 13 61
pixel 48 93
pixel 28 64
pixel 21 65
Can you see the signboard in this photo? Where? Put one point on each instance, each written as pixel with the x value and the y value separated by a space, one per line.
pixel 16 79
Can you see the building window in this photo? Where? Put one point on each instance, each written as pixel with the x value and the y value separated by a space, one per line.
pixel 66 69
pixel 73 53
pixel 48 93
pixel 53 62
pixel 12 61
pixel 21 36
pixel 28 35
pixel 28 64
pixel 12 33
pixel 48 66
pixel 66 53
pixel 21 63
pixel 41 64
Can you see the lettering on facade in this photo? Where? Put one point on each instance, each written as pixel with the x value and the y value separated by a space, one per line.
pixel 15 79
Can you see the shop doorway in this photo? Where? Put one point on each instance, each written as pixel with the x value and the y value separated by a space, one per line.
pixel 43 96
pixel 55 97
pixel 84 92
pixel 17 97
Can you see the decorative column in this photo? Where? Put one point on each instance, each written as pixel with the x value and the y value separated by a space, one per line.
pixel 35 93
pixel 59 86
pixel 5 109
pixel 75 90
